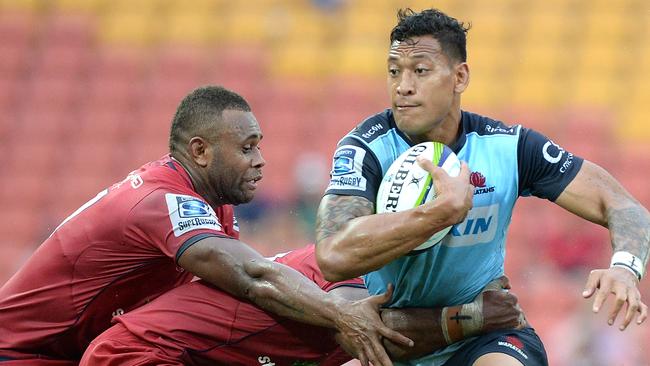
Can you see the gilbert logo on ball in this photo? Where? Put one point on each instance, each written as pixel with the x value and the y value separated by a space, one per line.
pixel 406 185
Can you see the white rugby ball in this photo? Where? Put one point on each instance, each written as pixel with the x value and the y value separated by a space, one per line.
pixel 406 185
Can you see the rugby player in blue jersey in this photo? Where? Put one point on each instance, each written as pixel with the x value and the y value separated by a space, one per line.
pixel 427 73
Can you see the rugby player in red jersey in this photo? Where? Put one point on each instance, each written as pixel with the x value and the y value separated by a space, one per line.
pixel 166 222
pixel 198 324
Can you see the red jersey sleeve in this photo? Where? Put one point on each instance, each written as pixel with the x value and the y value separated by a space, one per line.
pixel 172 222
pixel 304 261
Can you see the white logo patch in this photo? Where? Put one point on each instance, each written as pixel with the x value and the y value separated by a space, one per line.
pixel 558 151
pixel 189 213
pixel 347 166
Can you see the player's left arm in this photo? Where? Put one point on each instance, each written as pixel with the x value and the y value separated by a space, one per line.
pixel 596 196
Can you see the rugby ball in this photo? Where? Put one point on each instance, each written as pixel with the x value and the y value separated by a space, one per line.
pixel 406 185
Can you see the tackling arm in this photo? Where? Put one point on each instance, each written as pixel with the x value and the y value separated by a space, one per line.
pixel 235 267
pixel 351 241
pixel 596 196
pixel 433 329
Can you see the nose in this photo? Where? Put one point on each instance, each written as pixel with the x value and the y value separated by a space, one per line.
pixel 406 85
pixel 258 160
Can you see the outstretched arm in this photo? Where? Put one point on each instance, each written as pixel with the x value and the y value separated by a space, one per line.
pixel 234 267
pixel 351 241
pixel 596 196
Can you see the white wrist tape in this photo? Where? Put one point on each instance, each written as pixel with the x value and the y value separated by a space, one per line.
pixel 629 261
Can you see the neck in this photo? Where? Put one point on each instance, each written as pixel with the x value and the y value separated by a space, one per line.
pixel 199 182
pixel 445 131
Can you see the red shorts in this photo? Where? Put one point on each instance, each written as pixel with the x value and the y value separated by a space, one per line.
pixel 119 347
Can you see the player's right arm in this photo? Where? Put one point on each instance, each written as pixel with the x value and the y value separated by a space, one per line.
pixel 351 241
pixel 235 267
pixel 431 329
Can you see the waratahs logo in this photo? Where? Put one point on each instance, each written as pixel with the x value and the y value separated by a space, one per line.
pixel 478 180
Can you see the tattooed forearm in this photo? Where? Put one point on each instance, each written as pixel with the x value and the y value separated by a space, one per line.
pixel 630 230
pixel 335 211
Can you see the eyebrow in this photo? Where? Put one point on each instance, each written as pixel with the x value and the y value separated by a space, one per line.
pixel 418 55
pixel 258 136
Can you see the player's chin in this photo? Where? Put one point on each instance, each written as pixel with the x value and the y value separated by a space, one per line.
pixel 246 195
pixel 411 127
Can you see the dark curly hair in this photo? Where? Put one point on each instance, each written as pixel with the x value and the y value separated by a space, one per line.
pixel 451 33
pixel 197 112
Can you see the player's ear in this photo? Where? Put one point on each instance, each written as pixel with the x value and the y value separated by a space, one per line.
pixel 461 73
pixel 199 149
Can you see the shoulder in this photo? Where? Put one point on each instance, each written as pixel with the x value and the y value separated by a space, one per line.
pixel 486 126
pixel 373 127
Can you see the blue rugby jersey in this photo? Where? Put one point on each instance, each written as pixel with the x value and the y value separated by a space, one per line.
pixel 506 162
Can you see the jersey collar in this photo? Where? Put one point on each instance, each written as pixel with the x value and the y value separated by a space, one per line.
pixel 455 147
pixel 462 133
pixel 177 166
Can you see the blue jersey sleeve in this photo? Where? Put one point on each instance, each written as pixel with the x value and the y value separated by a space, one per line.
pixel 545 168
pixel 355 170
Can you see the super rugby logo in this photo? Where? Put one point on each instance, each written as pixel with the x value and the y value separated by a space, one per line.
pixel 347 168
pixel 400 178
pixel 192 208
pixel 189 213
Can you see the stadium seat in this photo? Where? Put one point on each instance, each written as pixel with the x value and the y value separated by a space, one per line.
pixel 253 25
pixel 179 62
pixel 81 7
pixel 191 27
pixel 367 24
pixel 41 123
pixel 301 60
pixel 306 23
pixel 51 92
pixel 360 58
pixel 129 28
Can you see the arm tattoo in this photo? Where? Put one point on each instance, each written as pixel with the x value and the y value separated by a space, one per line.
pixel 630 231
pixel 335 211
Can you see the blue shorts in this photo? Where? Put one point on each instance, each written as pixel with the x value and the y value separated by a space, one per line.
pixel 524 345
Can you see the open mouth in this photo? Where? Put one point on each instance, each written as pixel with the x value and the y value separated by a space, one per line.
pixel 253 181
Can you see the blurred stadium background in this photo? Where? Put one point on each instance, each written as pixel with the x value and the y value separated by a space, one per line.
pixel 88 89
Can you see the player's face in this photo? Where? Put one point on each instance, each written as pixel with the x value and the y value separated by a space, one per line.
pixel 237 162
pixel 423 85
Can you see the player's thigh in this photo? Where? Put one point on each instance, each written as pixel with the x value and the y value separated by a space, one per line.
pixel 504 347
pixel 497 359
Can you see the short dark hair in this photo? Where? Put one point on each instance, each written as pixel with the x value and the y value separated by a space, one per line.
pixel 448 31
pixel 198 110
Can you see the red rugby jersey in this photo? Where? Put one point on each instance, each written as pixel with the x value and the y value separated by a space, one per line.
pixel 116 252
pixel 202 325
